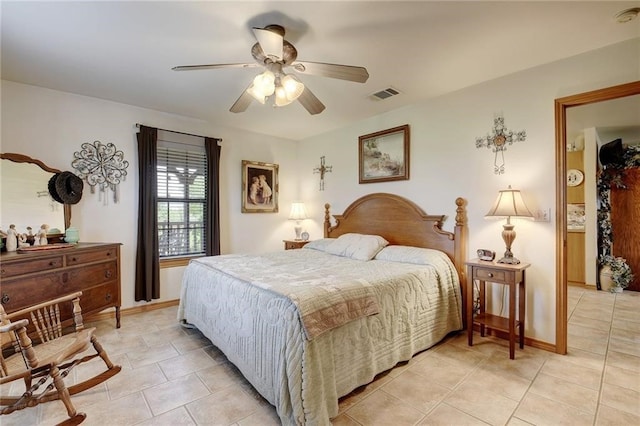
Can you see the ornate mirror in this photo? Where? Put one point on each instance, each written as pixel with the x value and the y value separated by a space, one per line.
pixel 24 195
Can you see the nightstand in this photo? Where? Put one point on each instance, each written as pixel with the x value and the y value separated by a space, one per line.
pixel 512 276
pixel 294 244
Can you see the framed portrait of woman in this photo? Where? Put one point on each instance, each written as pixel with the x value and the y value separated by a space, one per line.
pixel 259 187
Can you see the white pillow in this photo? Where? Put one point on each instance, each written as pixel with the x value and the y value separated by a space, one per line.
pixel 408 254
pixel 357 246
pixel 320 245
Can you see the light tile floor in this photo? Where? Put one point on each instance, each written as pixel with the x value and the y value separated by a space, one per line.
pixel 173 376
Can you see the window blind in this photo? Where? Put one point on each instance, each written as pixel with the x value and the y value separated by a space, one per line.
pixel 182 189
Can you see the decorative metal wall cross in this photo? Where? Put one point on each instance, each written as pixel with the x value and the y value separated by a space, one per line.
pixel 322 170
pixel 498 140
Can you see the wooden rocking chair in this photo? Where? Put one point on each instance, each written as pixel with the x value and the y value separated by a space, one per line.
pixel 44 366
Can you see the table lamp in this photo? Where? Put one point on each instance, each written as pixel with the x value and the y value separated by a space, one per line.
pixel 298 213
pixel 509 203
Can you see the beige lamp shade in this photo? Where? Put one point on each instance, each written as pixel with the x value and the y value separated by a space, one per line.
pixel 509 203
pixel 298 213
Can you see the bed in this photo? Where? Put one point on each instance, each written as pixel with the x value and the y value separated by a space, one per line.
pixel 308 326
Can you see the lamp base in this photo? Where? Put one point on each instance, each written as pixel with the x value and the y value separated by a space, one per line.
pixel 510 260
pixel 298 230
pixel 508 235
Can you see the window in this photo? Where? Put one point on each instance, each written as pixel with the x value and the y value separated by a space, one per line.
pixel 182 199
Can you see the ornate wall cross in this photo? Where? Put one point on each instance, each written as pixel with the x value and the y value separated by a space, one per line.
pixel 498 140
pixel 322 169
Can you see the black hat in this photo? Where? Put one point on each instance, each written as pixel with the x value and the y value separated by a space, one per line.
pixel 52 188
pixel 66 188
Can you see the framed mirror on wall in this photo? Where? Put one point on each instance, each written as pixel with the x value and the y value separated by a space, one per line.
pixel 596 98
pixel 25 200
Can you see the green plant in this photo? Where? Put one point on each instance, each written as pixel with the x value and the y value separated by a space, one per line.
pixel 621 274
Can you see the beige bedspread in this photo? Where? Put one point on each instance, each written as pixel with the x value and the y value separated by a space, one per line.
pixel 261 331
pixel 328 293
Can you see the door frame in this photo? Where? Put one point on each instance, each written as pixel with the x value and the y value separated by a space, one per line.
pixel 561 105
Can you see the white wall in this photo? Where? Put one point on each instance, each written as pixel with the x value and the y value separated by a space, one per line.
pixel 445 163
pixel 590 206
pixel 51 125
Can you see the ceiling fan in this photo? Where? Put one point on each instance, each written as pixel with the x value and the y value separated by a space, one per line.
pixel 275 54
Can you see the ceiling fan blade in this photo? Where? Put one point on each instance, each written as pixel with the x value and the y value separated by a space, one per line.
pixel 310 102
pixel 212 66
pixel 343 72
pixel 242 103
pixel 271 39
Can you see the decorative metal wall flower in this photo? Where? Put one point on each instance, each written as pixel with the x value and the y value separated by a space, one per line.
pixel 498 140
pixel 102 166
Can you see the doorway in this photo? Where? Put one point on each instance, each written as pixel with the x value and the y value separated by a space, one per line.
pixel 561 106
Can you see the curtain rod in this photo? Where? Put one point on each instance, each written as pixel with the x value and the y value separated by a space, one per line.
pixel 181 133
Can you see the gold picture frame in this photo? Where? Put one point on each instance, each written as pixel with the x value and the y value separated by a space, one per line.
pixel 259 187
pixel 384 156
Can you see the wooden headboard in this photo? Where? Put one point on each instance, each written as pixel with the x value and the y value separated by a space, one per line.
pixel 402 222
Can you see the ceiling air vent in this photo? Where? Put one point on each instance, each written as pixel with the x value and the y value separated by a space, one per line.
pixel 384 94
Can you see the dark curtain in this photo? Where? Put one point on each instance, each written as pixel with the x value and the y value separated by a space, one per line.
pixel 213 190
pixel 147 261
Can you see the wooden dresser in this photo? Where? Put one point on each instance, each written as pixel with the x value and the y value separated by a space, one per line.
pixel 93 268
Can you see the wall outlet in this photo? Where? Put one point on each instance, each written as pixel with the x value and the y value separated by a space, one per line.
pixel 542 215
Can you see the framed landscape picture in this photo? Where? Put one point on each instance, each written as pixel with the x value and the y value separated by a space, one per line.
pixel 576 217
pixel 384 156
pixel 259 187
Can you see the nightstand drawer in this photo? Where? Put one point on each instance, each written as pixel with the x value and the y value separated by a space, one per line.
pixel 294 244
pixel 492 275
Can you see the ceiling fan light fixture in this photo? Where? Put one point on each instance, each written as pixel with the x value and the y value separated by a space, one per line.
pixel 263 86
pixel 281 97
pixel 293 88
pixel 265 82
pixel 256 94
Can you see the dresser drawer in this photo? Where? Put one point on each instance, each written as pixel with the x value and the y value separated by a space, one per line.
pixel 18 294
pixel 492 275
pixel 108 253
pixel 11 269
pixel 92 301
pixel 84 277
pixel 22 292
pixel 98 298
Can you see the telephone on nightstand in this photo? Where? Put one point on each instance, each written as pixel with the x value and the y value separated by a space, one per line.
pixel 484 254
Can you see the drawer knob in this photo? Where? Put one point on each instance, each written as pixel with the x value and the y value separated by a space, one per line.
pixel 53 263
pixel 490 274
pixel 73 259
pixel 2 272
pixel 107 297
pixel 108 274
pixel 5 298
